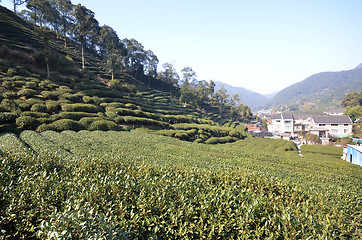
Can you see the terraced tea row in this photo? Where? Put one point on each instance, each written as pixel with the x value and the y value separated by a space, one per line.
pixel 138 185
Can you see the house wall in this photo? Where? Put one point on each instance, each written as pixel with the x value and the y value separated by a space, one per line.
pixel 354 155
pixel 338 129
pixel 281 126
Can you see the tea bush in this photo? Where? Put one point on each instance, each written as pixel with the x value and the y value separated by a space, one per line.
pixel 26 92
pixel 27 122
pixel 38 108
pixel 7 117
pixel 80 107
pixel 135 185
pixel 35 114
pixel 66 124
pixel 103 125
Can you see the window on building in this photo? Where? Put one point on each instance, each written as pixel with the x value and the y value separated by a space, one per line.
pixel 334 125
pixel 277 120
pixel 322 124
pixel 346 124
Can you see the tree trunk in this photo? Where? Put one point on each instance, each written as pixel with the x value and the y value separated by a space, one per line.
pixel 48 72
pixel 83 56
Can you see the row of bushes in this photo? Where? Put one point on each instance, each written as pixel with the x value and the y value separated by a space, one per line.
pixel 201 133
pixel 213 130
pixel 83 124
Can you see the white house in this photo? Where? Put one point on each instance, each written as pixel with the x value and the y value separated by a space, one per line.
pixel 301 122
pixel 331 126
pixel 281 123
pixel 353 154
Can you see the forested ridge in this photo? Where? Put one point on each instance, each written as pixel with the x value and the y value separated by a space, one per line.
pixel 320 91
pixel 57 54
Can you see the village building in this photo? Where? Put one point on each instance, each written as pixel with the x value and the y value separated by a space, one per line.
pixel 296 125
pixel 281 123
pixel 338 126
pixel 353 154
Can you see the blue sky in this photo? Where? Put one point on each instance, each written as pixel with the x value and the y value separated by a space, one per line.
pixel 263 46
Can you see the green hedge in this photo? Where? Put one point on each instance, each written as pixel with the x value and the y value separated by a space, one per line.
pixel 26 92
pixel 80 107
pixel 6 117
pixel 215 140
pixel 38 108
pixel 103 125
pixel 66 124
pixel 75 115
pixel 27 122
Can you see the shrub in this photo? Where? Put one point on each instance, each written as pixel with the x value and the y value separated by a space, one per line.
pixel 183 136
pixel 132 106
pixel 11 72
pixel 52 106
pixel 7 84
pixel 103 125
pixel 26 92
pixel 75 115
pixel 215 140
pixel 199 141
pixel 9 95
pixel 19 83
pixel 76 98
pixel 8 105
pixel 31 85
pixel 86 121
pixel 80 107
pixel 50 94
pixel 24 106
pixel 38 108
pixel 44 127
pixel 27 122
pixel 88 99
pixel 66 124
pixel 6 117
pixel 111 115
pixel 35 114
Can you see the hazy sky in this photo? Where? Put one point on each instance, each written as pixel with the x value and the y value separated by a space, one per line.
pixel 261 45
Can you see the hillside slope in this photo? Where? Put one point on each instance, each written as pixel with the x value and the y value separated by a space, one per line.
pixel 74 99
pixel 247 97
pixel 320 91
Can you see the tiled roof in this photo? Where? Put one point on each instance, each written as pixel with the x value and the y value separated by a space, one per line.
pixel 301 116
pixel 342 119
pixel 282 116
pixel 337 111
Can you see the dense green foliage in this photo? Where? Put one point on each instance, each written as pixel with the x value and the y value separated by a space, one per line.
pixel 353 104
pixel 138 185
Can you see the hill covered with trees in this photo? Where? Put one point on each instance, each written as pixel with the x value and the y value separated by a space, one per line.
pixel 321 91
pixel 246 96
pixel 61 72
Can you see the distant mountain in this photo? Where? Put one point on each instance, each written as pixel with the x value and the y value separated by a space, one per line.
pixel 247 97
pixel 270 95
pixel 359 66
pixel 321 91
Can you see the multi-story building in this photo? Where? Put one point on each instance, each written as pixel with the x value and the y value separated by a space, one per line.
pixel 331 126
pixel 281 123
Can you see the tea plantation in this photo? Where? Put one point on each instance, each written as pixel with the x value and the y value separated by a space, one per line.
pixel 127 185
